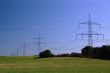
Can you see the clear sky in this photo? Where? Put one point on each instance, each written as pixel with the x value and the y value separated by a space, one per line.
pixel 55 20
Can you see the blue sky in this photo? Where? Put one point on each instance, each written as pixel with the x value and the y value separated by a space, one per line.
pixel 55 20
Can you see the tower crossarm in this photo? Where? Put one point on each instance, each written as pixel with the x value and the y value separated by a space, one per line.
pixel 83 34
pixel 93 23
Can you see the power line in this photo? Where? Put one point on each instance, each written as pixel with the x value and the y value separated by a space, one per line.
pixel 60 38
pixel 65 46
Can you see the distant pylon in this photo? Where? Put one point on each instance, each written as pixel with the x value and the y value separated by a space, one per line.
pixel 24 48
pixel 39 43
pixel 90 32
pixel 17 51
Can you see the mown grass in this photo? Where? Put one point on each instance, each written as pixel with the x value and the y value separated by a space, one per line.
pixel 53 65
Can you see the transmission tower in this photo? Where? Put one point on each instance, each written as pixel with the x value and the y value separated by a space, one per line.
pixel 39 43
pixel 17 51
pixel 24 48
pixel 90 31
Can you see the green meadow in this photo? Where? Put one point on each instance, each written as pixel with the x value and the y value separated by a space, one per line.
pixel 53 65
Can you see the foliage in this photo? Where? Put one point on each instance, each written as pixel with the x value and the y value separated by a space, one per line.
pixel 73 54
pixel 87 51
pixel 97 52
pixel 45 54
pixel 63 55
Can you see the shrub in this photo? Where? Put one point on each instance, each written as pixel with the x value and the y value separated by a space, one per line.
pixel 73 54
pixel 45 54
pixel 87 51
pixel 63 55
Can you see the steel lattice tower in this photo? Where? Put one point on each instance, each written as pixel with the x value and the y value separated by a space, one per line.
pixel 39 43
pixel 90 32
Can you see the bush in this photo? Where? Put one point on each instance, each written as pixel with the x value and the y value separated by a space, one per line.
pixel 45 54
pixel 73 54
pixel 63 55
pixel 87 51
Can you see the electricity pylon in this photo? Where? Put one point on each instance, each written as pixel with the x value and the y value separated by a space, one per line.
pixel 17 51
pixel 39 43
pixel 24 48
pixel 90 32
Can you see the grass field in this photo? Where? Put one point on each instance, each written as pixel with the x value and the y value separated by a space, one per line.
pixel 53 65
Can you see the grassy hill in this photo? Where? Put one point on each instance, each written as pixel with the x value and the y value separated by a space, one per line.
pixel 53 65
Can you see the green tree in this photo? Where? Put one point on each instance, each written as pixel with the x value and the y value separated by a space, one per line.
pixel 45 54
pixel 87 51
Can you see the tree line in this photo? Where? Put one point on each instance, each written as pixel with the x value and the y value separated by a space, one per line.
pixel 96 52
pixel 88 51
pixel 47 53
